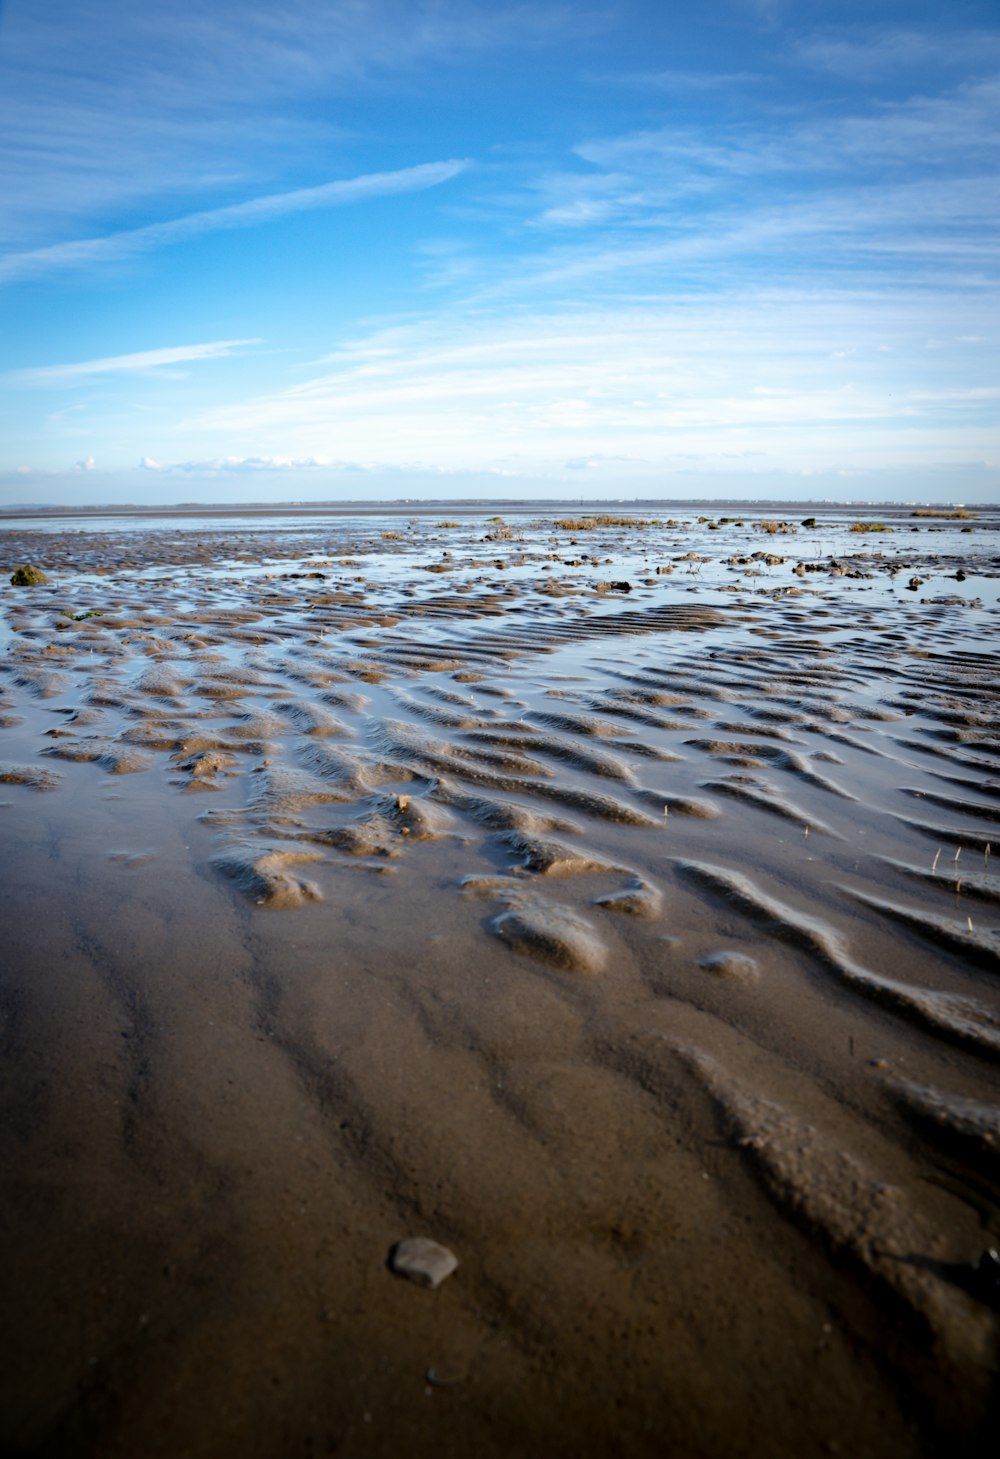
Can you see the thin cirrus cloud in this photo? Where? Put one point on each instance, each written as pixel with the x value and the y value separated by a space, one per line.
pixel 669 80
pixel 952 128
pixel 107 109
pixel 143 362
pixel 864 53
pixel 82 252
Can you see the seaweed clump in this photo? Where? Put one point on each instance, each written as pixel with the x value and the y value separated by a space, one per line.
pixel 28 577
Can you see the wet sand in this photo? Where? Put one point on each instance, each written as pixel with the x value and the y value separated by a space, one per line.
pixel 612 904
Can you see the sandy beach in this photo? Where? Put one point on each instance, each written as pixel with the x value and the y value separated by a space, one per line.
pixel 608 899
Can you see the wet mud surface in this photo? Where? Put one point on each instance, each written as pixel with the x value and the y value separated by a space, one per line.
pixel 611 903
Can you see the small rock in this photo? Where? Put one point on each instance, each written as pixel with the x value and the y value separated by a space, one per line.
pixel 422 1261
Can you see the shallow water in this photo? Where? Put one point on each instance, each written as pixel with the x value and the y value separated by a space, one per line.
pixel 639 945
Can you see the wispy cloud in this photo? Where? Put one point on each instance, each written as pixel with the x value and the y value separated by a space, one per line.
pixel 961 125
pixel 90 251
pixel 939 234
pixel 681 81
pixel 106 108
pixel 864 52
pixel 144 362
pixel 830 197
pixel 797 378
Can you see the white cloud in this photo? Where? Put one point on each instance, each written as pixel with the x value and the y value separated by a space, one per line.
pixel 87 464
pixel 798 377
pixel 248 465
pixel 582 212
pixel 144 362
pixel 88 251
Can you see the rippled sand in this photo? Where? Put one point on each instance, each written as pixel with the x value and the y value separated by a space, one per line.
pixel 613 905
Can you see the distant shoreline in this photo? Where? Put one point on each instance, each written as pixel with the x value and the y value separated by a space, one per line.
pixel 471 507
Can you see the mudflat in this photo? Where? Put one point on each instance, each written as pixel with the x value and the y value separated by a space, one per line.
pixel 608 898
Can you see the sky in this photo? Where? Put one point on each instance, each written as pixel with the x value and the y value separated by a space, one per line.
pixel 312 250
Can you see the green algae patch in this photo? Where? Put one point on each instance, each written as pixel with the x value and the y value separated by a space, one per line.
pixel 28 577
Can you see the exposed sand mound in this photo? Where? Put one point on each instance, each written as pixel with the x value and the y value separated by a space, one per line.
pixel 262 873
pixel 33 775
pixel 552 934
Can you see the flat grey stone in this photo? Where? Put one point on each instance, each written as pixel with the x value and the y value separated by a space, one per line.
pixel 422 1261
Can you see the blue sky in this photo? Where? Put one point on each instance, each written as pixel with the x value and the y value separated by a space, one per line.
pixel 329 249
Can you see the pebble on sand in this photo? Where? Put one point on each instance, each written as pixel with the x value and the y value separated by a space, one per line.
pixel 422 1261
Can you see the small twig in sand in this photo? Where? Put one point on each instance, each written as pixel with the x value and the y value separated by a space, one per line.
pixel 957 854
pixel 935 861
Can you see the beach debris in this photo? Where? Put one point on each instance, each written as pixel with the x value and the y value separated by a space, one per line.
pixel 422 1261
pixel 28 577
